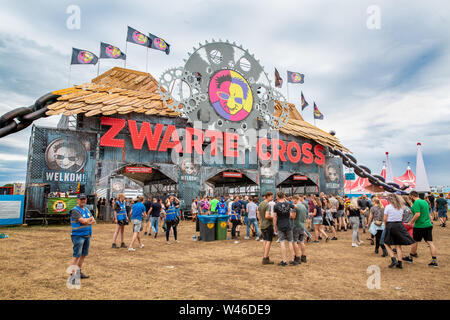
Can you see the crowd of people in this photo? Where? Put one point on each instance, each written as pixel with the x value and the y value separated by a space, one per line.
pixel 392 221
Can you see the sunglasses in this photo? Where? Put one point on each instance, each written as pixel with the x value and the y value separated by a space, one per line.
pixel 62 157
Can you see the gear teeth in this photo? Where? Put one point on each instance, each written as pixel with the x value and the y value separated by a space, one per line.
pixel 234 43
pixel 206 41
pixel 213 40
pixel 227 41
pixel 200 45
pixel 193 48
pixel 184 60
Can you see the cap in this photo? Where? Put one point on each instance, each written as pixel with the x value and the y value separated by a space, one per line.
pixel 81 196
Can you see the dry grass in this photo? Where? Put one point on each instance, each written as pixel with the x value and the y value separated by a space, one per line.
pixel 34 260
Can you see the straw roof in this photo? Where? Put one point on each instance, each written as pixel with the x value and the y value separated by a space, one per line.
pixel 122 91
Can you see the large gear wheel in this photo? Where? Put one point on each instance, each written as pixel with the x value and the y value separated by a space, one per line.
pixel 184 105
pixel 228 89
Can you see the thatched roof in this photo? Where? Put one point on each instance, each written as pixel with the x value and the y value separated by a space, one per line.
pixel 122 91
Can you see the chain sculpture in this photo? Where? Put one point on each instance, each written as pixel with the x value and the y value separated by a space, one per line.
pixel 20 118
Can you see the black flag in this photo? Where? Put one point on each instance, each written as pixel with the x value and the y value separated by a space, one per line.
pixel 304 102
pixel 278 80
pixel 83 57
pixel 137 37
pixel 108 51
pixel 158 43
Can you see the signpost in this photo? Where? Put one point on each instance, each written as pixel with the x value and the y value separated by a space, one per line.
pixel 232 175
pixel 138 170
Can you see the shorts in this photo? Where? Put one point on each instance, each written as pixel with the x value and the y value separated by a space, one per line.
pixel 146 218
pixel 298 234
pixel 317 220
pixel 328 223
pixel 267 234
pixel 80 246
pixel 339 213
pixel 123 222
pixel 137 225
pixel 442 213
pixel 423 233
pixel 285 235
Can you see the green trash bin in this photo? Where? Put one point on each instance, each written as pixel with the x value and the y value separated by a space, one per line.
pixel 221 227
pixel 207 227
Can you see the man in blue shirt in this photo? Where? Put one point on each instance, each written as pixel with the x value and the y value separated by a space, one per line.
pixel 81 221
pixel 137 212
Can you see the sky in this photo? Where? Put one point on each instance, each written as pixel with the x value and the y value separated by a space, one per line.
pixel 381 80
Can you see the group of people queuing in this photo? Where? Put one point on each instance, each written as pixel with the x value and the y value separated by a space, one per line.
pixel 393 221
pixel 145 215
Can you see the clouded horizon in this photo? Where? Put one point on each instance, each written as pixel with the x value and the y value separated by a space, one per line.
pixel 380 89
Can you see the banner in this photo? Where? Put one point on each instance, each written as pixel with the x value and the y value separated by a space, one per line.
pixel 83 57
pixel 295 77
pixel 158 43
pixel 137 37
pixel 108 51
pixel 61 205
pixel 278 79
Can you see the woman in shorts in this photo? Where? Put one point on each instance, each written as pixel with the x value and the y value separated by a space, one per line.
pixel 317 220
pixel 340 214
pixel 120 219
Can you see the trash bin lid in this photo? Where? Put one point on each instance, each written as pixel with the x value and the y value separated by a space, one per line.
pixel 222 218
pixel 207 219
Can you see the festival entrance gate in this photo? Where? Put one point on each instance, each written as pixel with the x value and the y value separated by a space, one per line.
pixel 233 182
pixel 298 183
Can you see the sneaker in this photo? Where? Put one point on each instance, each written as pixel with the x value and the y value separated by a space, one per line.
pixel 433 263
pixel 145 233
pixel 282 264
pixel 149 234
pixel 167 242
pixel 354 245
pixel 278 240
pixel 334 238
pixel 122 245
pixel 408 259
pixel 308 239
pixel 246 238
pixel 83 276
pixel 177 241
pixel 267 261
pixel 414 255
pixel 298 260
pixel 114 246
pixel 315 241
pixel 257 239
pixel 156 235
pixel 293 263
pixel 327 239
pixel 360 243
pixel 399 265
pixel 303 259
pixel 394 250
pixel 376 251
pixel 141 246
pixel 320 238
pixel 131 249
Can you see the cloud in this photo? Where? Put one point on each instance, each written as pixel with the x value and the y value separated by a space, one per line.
pixel 381 90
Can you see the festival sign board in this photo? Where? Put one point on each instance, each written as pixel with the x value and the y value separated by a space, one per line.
pixel 138 170
pixel 300 178
pixel 232 175
pixel 61 205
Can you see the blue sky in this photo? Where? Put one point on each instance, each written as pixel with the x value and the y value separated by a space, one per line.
pixel 380 90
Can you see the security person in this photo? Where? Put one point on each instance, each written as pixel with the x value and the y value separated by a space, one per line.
pixel 81 221
pixel 121 220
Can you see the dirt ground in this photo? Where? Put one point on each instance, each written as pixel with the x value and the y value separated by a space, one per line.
pixel 34 260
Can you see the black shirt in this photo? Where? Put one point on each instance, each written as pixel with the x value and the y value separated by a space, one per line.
pixel 353 213
pixel 283 211
pixel 363 204
pixel 156 209
pixel 319 211
pixel 147 205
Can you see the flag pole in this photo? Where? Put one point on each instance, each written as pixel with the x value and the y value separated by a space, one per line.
pixel 70 74
pixel 126 54
pixel 98 68
pixel 146 62
pixel 287 85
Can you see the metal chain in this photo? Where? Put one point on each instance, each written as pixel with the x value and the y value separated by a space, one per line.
pixel 20 118
pixel 363 172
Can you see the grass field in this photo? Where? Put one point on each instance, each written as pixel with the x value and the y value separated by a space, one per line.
pixel 33 261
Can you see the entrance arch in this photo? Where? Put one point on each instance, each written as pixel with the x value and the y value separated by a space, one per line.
pixel 298 183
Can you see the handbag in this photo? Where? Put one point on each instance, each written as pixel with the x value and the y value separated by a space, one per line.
pixel 378 223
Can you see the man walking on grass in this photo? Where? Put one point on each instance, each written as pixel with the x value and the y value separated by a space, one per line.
pixel 265 216
pixel 298 228
pixel 423 228
pixel 283 212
